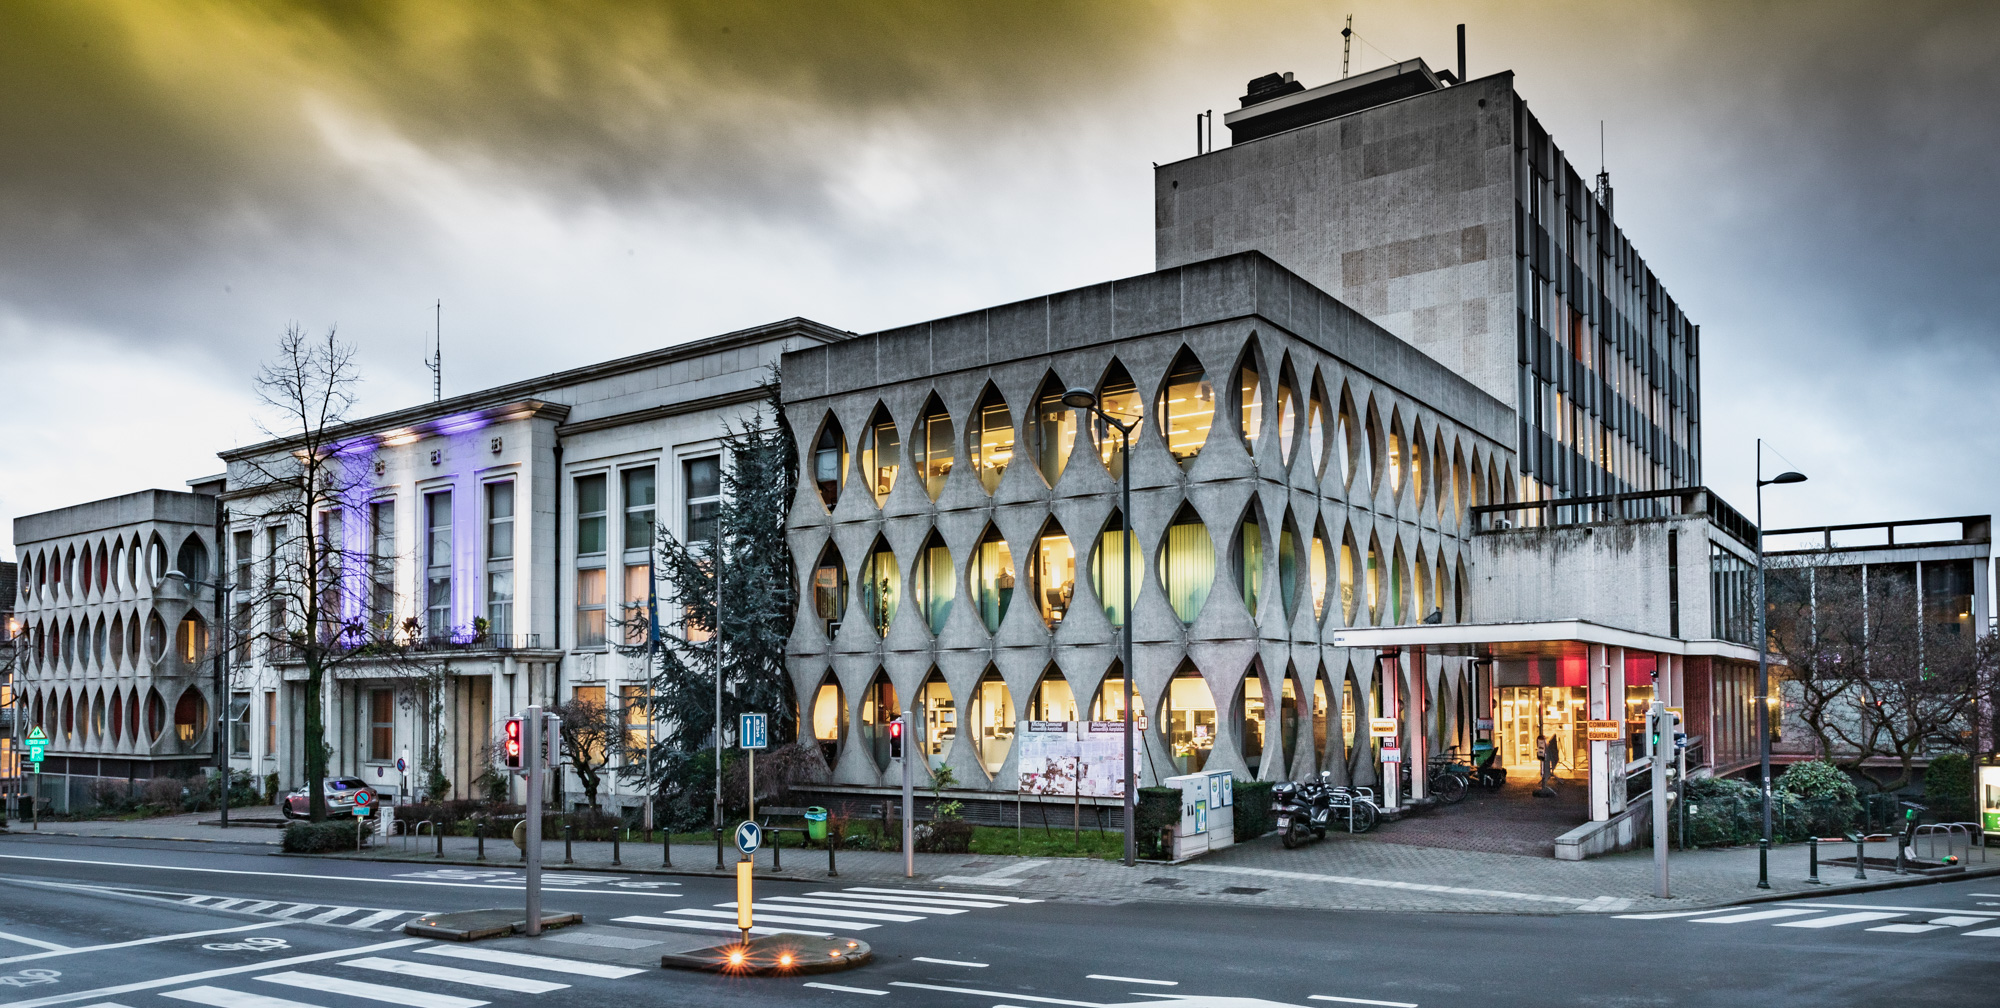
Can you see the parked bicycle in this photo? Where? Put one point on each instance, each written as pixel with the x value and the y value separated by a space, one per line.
pixel 1446 777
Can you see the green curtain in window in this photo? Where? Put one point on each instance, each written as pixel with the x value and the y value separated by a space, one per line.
pixel 1107 574
pixel 1187 568
pixel 1252 570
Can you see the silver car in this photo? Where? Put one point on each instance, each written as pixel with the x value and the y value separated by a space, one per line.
pixel 341 793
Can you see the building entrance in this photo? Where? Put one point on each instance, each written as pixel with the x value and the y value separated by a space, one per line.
pixel 1532 713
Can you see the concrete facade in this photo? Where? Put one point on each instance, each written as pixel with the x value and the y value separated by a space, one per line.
pixel 1220 313
pixel 113 654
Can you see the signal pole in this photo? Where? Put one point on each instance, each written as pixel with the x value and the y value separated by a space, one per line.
pixel 533 761
pixel 909 798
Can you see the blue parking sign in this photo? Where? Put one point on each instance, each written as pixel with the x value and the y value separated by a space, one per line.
pixel 753 731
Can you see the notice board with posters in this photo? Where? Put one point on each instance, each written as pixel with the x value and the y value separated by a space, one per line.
pixel 1071 758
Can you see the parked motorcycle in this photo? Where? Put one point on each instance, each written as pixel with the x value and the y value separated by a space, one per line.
pixel 1310 807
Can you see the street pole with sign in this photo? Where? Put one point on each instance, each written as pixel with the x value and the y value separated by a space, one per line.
pixel 909 801
pixel 38 749
pixel 532 761
pixel 1661 727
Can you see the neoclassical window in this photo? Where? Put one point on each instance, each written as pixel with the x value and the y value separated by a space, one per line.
pixel 937 583
pixel 1250 397
pixel 1054 430
pixel 1052 575
pixel 1288 410
pixel 990 441
pixel 932 445
pixel 1119 397
pixel 1186 407
pixel 1108 565
pixel 829 590
pixel 881 585
pixel 1187 564
pixel 829 461
pixel 881 454
pixel 992 578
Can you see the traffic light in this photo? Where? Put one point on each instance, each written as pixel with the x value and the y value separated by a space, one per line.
pixel 896 739
pixel 510 746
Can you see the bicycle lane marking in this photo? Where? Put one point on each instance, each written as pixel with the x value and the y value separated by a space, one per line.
pixel 105 992
pixel 265 926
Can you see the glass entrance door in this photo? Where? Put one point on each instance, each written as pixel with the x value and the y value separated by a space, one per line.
pixel 1530 714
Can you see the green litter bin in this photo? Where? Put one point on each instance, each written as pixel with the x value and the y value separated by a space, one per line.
pixel 816 823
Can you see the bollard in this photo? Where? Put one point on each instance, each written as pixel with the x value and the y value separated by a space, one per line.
pixel 569 838
pixel 1860 856
pixel 479 830
pixel 1812 853
pixel 777 860
pixel 437 834
pixel 666 848
pixel 832 842
pixel 1764 863
pixel 1898 841
pixel 614 845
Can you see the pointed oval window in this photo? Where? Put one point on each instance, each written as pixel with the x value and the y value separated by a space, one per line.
pixel 990 442
pixel 1055 430
pixel 1288 410
pixel 1186 407
pixel 1187 564
pixel 992 578
pixel 829 590
pixel 932 445
pixel 1250 709
pixel 1319 438
pixel 1369 461
pixel 1108 564
pixel 989 718
pixel 1419 467
pixel 881 454
pixel 937 719
pixel 1250 559
pixel 1397 461
pixel 829 461
pixel 878 708
pixel 1372 580
pixel 1420 601
pixel 1288 567
pixel 1250 397
pixel 1052 576
pixel 1052 699
pixel 881 586
pixel 1399 585
pixel 937 582
pixel 1317 571
pixel 1119 397
pixel 829 719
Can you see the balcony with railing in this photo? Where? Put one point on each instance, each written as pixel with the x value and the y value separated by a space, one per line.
pixel 350 647
pixel 1637 506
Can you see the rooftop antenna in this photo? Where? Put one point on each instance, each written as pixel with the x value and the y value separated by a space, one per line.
pixel 1603 173
pixel 1346 43
pixel 436 361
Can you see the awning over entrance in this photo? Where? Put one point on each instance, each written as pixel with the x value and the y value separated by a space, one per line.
pixel 1538 639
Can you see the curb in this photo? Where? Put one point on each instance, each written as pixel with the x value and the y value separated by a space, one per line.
pixel 601 869
pixel 1902 882
pixel 129 836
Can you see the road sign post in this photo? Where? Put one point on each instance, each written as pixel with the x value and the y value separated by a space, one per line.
pixel 38 746
pixel 749 837
pixel 752 733
pixel 1661 737
pixel 532 757
pixel 909 801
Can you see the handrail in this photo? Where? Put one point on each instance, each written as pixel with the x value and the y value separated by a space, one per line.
pixel 1637 505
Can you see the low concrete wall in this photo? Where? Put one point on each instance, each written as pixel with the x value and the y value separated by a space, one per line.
pixel 1621 832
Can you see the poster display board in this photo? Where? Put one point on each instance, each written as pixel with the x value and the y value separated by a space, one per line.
pixel 1071 758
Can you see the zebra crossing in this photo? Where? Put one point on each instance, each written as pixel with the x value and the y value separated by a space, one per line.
pixel 359 918
pixel 404 980
pixel 1827 916
pixel 856 908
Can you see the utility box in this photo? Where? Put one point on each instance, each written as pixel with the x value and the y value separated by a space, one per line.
pixel 1208 813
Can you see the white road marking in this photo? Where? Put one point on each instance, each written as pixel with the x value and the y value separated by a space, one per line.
pixel 36 942
pixel 761 905
pixel 1908 928
pixel 712 926
pixel 846 990
pixel 908 900
pixel 1366 1001
pixel 775 919
pixel 550 963
pixel 452 974
pixel 308 875
pixel 258 907
pixel 106 1004
pixel 999 994
pixel 944 894
pixel 224 904
pixel 331 915
pixel 1960 921
pixel 265 926
pixel 948 962
pixel 1906 909
pixel 862 904
pixel 295 909
pixel 378 917
pixel 223 997
pixel 1754 915
pixel 56 999
pixel 1662 916
pixel 1984 932
pixel 1837 920
pixel 1574 901
pixel 1138 980
pixel 372 992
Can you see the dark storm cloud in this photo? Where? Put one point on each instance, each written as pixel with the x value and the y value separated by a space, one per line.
pixel 152 147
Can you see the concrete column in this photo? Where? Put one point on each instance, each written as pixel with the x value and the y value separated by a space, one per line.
pixel 1388 673
pixel 1598 678
pixel 1416 741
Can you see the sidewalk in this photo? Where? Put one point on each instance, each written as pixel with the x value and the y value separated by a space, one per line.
pixel 1339 873
pixel 179 827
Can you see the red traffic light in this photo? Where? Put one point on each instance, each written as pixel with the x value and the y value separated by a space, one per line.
pixel 511 746
pixel 896 728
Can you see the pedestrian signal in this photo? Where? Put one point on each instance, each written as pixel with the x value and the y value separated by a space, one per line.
pixel 896 739
pixel 510 751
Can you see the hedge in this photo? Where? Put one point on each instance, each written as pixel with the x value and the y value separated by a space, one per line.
pixel 1253 809
pixel 320 837
pixel 1159 808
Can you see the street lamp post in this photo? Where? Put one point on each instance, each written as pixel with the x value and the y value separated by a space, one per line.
pixel 1085 399
pixel 1764 671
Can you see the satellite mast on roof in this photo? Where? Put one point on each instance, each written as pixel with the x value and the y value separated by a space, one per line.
pixel 1346 42
pixel 436 361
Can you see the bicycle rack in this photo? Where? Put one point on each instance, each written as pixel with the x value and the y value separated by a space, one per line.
pixel 1973 836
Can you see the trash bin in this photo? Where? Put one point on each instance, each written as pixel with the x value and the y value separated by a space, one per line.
pixel 816 823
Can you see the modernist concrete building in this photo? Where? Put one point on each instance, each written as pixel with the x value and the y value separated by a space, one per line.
pixel 10 717
pixel 500 540
pixel 1296 469
pixel 113 653
pixel 1447 215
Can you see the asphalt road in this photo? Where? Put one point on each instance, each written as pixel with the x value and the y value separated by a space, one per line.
pixel 137 924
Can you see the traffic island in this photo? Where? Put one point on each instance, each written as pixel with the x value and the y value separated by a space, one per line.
pixel 775 955
pixel 473 925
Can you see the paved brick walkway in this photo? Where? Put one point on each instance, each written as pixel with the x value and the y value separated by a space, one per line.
pixel 1368 872
pixel 1509 821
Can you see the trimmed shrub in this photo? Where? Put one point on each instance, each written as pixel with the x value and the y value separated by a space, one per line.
pixel 1252 807
pixel 945 836
pixel 320 837
pixel 1828 802
pixel 1158 809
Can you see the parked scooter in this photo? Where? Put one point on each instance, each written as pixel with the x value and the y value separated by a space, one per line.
pixel 1310 807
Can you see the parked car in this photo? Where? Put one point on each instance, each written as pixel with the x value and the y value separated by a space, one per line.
pixel 340 795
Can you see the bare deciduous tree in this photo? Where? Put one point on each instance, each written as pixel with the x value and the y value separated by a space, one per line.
pixel 590 740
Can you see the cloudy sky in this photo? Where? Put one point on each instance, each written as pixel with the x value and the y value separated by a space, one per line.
pixel 179 180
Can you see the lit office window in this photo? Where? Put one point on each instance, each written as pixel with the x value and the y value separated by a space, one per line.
pixel 881 586
pixel 1250 399
pixel 590 607
pixel 1053 574
pixel 1186 407
pixel 1107 568
pixel 990 442
pixel 933 445
pixel 881 454
pixel 829 588
pixel 992 578
pixel 937 583
pixel 1118 397
pixel 829 462
pixel 1055 431
pixel 1250 561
